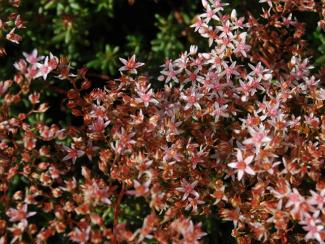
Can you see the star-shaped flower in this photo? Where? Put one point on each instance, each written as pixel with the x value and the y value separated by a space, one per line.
pixel 242 165
pixel 130 65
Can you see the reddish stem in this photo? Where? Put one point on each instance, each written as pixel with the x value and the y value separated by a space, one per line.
pixel 116 212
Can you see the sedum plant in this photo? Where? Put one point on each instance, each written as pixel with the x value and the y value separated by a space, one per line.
pixel 230 136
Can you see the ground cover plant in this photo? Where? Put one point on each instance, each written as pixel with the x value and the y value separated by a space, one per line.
pixel 224 143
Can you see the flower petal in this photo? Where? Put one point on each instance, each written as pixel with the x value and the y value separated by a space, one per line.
pixel 233 165
pixel 249 159
pixel 249 170
pixel 240 174
pixel 239 156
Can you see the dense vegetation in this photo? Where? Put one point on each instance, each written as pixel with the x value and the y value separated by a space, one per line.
pixel 162 121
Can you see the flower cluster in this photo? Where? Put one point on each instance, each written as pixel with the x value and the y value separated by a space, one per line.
pixel 10 24
pixel 226 136
pixel 34 66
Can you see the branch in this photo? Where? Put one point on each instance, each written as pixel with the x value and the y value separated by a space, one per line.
pixel 116 212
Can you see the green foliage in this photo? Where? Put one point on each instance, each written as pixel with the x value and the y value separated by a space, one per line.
pixel 95 32
pixel 166 43
pixel 106 61
pixel 319 36
pixel 105 5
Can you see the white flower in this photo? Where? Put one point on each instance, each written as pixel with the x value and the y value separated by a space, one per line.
pixel 130 65
pixel 242 165
pixel 259 137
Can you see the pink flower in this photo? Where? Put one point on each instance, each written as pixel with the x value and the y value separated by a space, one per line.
pixel 94 193
pixel 53 61
pixel 123 141
pixel 90 150
pixel 142 163
pixel 32 73
pixel 224 43
pixel 188 189
pixel 13 37
pixel 300 207
pixel 99 125
pixel 219 111
pixel 34 97
pixel 192 76
pixel 44 69
pixel 229 70
pixel 259 137
pixel 32 57
pixel 182 62
pixel 192 100
pixel 130 65
pixel 241 46
pixel 198 24
pixel 242 165
pixel 72 154
pixel 209 14
pixel 140 190
pixel 218 5
pixel 21 65
pixel 146 96
pixel 259 72
pixel 225 29
pixel 313 226
pixel 171 73
pixel 317 199
pixel 219 194
pixel 80 236
pixel 171 153
pixel 147 228
pixel 4 85
pixel 197 157
pixel 193 203
pixel 20 215
pixel 238 23
pixel 17 232
pixel 288 20
pixel 216 60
